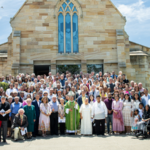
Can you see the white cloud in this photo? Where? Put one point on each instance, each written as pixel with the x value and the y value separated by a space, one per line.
pixel 136 11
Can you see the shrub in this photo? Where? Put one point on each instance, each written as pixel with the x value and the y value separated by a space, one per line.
pixel 4 85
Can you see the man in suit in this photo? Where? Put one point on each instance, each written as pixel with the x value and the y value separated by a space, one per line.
pixel 94 92
pixel 36 104
pixel 20 122
pixel 145 98
pixel 81 98
pixel 22 97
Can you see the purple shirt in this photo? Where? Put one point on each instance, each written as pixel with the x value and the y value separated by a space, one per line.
pixel 108 104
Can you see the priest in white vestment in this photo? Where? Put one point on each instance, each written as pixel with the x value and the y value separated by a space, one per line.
pixel 86 114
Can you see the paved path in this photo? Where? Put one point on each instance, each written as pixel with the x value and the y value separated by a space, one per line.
pixel 79 143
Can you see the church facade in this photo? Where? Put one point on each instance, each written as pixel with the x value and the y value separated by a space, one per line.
pixel 49 34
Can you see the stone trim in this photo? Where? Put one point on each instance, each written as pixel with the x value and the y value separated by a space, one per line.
pixel 119 32
pixel 60 1
pixel 17 34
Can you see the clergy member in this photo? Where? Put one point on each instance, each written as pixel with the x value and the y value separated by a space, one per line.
pixel 72 114
pixel 99 113
pixel 86 115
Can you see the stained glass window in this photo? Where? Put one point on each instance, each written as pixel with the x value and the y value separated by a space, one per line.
pixel 68 33
pixel 67 1
pixel 60 10
pixel 64 5
pixel 68 40
pixel 60 33
pixel 75 33
pixel 68 9
pixel 71 5
pixel 74 9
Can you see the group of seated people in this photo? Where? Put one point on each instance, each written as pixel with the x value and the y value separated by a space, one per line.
pixel 66 104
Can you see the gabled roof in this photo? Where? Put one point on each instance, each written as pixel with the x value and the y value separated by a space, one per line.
pixel 123 17
pixel 118 11
pixel 18 11
pixel 138 44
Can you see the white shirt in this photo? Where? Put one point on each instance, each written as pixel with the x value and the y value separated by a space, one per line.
pixel 121 100
pixel 149 102
pixel 8 91
pixel 38 103
pixel 99 110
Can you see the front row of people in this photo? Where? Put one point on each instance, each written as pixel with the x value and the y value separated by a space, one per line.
pixel 87 113
pixel 44 116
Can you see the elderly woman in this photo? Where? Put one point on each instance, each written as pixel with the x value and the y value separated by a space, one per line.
pixel 31 115
pixel 20 123
pixel 45 112
pixel 61 114
pixel 142 126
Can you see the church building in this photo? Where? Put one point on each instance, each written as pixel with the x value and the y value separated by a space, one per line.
pixel 89 35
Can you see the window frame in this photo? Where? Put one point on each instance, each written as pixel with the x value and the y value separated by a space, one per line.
pixel 71 12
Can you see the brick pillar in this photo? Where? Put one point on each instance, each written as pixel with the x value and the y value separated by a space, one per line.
pixel 53 67
pixel 121 49
pixel 16 52
pixel 84 66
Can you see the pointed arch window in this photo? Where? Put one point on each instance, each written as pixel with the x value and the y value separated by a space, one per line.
pixel 68 41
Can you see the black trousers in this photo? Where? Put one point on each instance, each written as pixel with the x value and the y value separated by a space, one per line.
pixel 100 126
pixel 93 128
pixel 4 125
pixel 54 123
pixel 62 128
pixel 36 126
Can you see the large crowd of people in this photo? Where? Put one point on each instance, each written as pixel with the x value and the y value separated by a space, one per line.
pixel 68 103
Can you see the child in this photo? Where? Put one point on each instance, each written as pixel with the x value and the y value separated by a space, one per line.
pixel 141 110
pixel 136 119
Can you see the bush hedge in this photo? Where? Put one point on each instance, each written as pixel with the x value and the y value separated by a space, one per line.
pixel 4 85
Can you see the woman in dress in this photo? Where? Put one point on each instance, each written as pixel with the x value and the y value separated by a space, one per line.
pixel 44 120
pixel 117 106
pixel 91 100
pixel 136 101
pixel 61 114
pixel 128 107
pixel 31 115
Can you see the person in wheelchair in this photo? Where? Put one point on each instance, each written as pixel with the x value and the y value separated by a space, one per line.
pixel 143 125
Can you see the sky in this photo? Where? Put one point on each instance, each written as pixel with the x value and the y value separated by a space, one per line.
pixel 137 13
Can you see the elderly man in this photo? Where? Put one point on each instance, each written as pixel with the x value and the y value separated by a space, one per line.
pixel 15 106
pixel 94 92
pixel 99 113
pixel 54 116
pixel 145 98
pixel 10 90
pixel 50 94
pixel 111 85
pixel 5 106
pixel 141 89
pixel 20 123
pixel 22 97
pixel 62 80
pixel 72 114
